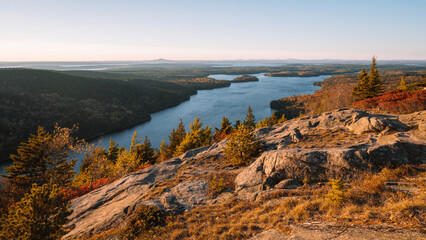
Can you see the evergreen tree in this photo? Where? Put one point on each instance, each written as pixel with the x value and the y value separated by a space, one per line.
pixel 225 126
pixel 135 142
pixel 375 86
pixel 272 120
pixel 402 85
pixel 39 215
pixel 113 151
pixel 145 154
pixel 175 139
pixel 43 159
pixel 241 146
pixel 197 137
pixel 237 124
pixel 250 120
pixel 369 85
pixel 125 163
pixel 361 90
pixel 163 150
pixel 95 166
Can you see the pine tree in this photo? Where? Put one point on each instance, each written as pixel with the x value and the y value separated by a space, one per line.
pixel 135 142
pixel 145 154
pixel 282 118
pixel 163 150
pixel 175 139
pixel 402 85
pixel 95 166
pixel 197 137
pixel 43 159
pixel 241 146
pixel 375 87
pixel 225 126
pixel 41 214
pixel 113 151
pixel 250 120
pixel 360 91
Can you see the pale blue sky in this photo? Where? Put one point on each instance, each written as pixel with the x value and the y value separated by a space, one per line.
pixel 86 30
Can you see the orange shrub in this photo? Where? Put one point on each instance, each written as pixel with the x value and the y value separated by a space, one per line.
pixel 142 167
pixel 75 192
pixel 396 101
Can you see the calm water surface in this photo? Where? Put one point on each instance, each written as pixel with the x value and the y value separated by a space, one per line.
pixel 211 105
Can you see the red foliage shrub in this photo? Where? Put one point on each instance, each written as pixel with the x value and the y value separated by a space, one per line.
pixel 396 101
pixel 142 167
pixel 75 192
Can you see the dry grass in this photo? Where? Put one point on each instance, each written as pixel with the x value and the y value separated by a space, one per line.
pixel 367 201
pixel 328 138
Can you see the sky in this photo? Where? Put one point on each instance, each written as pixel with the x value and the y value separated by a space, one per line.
pixel 103 30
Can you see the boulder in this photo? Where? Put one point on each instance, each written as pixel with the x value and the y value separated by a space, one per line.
pixel 376 124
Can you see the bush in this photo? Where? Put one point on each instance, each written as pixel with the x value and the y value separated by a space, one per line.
pixel 337 192
pixel 219 183
pixel 241 146
pixel 75 192
pixel 144 219
pixel 396 101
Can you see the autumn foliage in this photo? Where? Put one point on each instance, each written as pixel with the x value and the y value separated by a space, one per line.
pixel 75 192
pixel 396 102
pixel 142 167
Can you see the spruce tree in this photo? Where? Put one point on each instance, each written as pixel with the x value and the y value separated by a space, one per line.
pixel 43 159
pixel 135 142
pixel 361 90
pixel 241 146
pixel 145 154
pixel 41 214
pixel 402 85
pixel 375 87
pixel 250 120
pixel 197 137
pixel 225 126
pixel 113 151
pixel 175 139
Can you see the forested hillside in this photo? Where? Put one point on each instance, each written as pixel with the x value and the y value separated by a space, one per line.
pixel 29 98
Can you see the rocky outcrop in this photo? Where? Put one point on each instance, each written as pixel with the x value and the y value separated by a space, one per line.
pixel 387 143
pixel 338 144
pixel 109 206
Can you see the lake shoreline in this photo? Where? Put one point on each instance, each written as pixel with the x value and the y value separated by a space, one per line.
pixel 102 136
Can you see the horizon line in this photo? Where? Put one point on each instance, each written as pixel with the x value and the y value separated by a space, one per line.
pixel 206 60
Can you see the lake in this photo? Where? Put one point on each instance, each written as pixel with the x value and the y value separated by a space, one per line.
pixel 211 105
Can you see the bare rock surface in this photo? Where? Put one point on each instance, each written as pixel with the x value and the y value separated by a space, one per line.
pixel 389 142
pixel 181 183
pixel 109 205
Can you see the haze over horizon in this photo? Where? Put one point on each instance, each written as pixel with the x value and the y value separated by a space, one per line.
pixel 220 30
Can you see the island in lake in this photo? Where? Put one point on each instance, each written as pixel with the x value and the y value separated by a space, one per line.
pixel 246 78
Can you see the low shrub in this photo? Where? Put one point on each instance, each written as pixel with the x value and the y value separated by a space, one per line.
pixel 75 192
pixel 220 182
pixel 144 219
pixel 337 192
pixel 395 101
